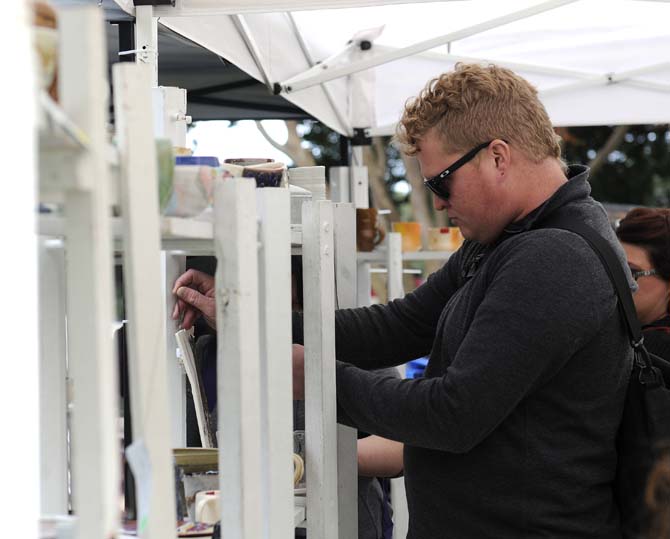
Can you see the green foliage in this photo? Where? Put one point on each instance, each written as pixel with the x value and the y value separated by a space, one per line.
pixel 636 172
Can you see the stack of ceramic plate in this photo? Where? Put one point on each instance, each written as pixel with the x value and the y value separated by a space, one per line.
pixel 311 178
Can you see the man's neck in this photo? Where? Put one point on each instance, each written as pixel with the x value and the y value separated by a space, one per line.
pixel 537 182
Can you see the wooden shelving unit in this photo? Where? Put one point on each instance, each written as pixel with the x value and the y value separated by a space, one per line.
pixel 83 176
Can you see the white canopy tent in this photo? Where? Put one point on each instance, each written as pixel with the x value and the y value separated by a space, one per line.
pixel 593 61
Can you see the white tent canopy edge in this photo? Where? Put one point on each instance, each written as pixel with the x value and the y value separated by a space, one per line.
pixel 593 62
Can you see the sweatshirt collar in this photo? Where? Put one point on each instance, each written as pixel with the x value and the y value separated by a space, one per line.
pixel 577 187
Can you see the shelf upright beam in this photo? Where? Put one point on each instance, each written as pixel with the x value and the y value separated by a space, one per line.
pixel 173 265
pixel 146 41
pixel 395 287
pixel 358 179
pixel 53 380
pixel 19 389
pixel 320 402
pixel 275 353
pixel 238 363
pixel 347 444
pixel 144 296
pixel 396 290
pixel 92 365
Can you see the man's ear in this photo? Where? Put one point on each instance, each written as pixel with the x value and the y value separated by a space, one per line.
pixel 501 155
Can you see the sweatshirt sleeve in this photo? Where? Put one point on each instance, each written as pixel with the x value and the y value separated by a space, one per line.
pixel 541 306
pixel 387 335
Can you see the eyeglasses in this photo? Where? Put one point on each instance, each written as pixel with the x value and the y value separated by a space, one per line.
pixel 642 273
pixel 438 185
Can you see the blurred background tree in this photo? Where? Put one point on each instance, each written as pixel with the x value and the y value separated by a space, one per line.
pixel 630 165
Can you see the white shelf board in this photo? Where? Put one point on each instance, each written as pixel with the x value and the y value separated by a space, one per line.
pixel 178 233
pixel 61 141
pixel 381 254
pixel 57 131
pixel 179 227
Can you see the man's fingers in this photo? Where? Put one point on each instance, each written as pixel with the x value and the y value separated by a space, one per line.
pixel 191 297
pixel 205 304
pixel 176 310
pixel 190 316
pixel 194 279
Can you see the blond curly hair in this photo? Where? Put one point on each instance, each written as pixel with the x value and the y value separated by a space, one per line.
pixel 476 103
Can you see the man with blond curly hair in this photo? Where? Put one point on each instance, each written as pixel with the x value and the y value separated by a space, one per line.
pixel 511 433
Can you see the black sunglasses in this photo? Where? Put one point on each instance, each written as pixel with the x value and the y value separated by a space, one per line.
pixel 438 185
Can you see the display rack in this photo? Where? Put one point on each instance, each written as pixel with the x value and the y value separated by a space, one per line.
pixel 253 239
pixel 73 141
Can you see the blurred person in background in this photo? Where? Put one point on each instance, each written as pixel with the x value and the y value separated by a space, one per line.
pixel 645 236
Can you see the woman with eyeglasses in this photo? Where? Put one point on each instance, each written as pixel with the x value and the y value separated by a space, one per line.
pixel 645 236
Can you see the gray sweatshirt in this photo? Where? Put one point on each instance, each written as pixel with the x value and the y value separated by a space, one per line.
pixel 512 431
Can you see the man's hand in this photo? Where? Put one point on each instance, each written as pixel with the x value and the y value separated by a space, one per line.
pixel 195 297
pixel 298 372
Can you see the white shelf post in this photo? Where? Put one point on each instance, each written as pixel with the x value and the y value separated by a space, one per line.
pixel 396 290
pixel 320 402
pixel 146 41
pixel 339 184
pixel 363 285
pixel 347 443
pixel 144 292
pixel 173 265
pixel 92 364
pixel 359 179
pixel 275 353
pixel 19 389
pixel 53 381
pixel 170 119
pixel 395 287
pixel 238 364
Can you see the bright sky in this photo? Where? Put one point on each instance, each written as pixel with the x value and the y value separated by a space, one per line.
pixel 243 139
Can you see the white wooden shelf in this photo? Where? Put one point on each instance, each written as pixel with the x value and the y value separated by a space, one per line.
pixel 381 255
pixel 57 131
pixel 85 177
pixel 190 236
pixel 61 141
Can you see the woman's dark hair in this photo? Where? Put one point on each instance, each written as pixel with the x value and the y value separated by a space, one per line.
pixel 650 229
pixel 657 498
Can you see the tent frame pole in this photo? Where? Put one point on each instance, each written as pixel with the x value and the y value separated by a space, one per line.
pixel 623 77
pixel 319 74
pixel 146 40
pixel 252 47
pixel 310 60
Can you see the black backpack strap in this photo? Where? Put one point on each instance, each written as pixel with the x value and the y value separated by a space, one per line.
pixel 614 270
pixel 616 274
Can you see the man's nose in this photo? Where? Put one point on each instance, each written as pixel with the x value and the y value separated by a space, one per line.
pixel 439 203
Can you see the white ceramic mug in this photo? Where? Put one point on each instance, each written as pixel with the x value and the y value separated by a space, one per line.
pixel 207 509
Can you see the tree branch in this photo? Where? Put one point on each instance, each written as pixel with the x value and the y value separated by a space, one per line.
pixel 266 136
pixel 611 144
pixel 299 155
